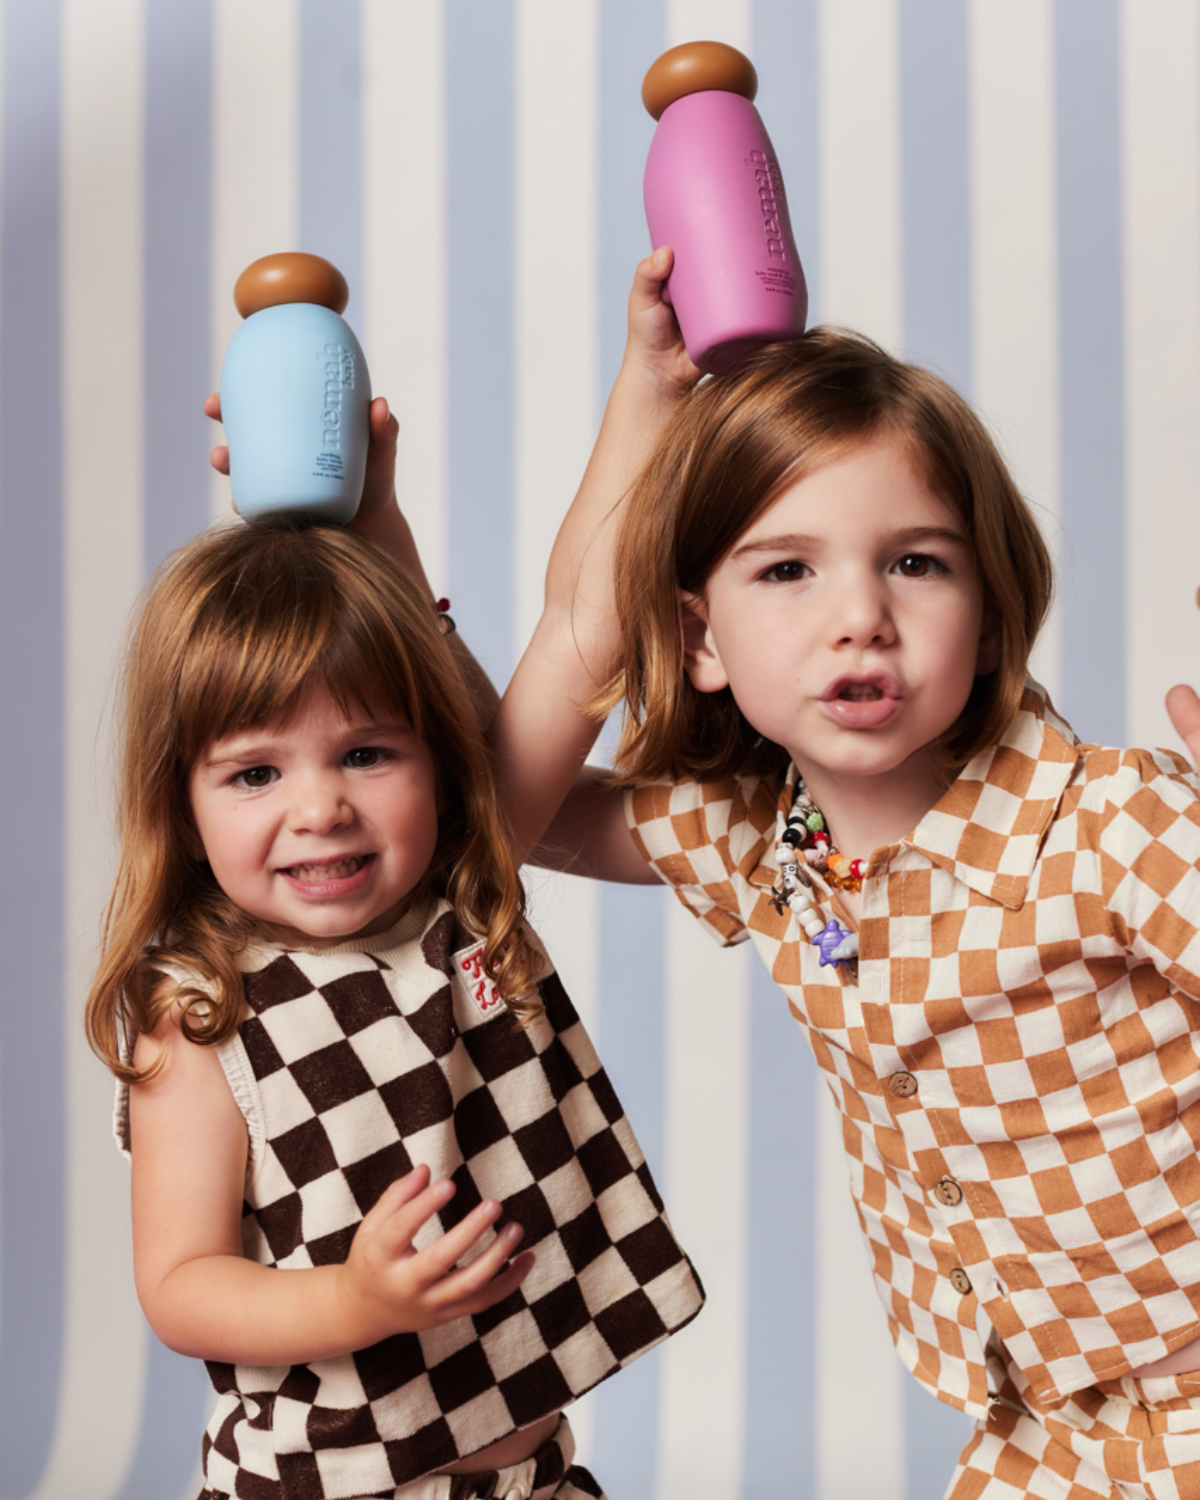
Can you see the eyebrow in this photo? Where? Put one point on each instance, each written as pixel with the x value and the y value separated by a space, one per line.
pixel 255 752
pixel 911 536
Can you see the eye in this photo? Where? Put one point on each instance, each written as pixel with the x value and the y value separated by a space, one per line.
pixel 363 757
pixel 918 565
pixel 786 572
pixel 256 777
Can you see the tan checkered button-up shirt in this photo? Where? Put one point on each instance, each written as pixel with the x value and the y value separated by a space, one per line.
pixel 1017 1063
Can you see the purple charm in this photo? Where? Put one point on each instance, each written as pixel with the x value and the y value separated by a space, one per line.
pixel 829 940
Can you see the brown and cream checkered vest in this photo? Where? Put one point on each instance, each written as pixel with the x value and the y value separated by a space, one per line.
pixel 352 1065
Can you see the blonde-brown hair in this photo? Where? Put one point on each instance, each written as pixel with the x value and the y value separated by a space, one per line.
pixel 235 629
pixel 732 447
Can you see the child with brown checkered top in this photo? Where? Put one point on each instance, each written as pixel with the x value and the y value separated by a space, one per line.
pixel 351 1084
pixel 827 588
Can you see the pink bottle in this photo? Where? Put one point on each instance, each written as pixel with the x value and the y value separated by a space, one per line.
pixel 714 193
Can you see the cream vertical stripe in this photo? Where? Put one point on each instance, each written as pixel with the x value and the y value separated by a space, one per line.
pixel 858 170
pixel 702 1418
pixel 1160 127
pixel 102 127
pixel 256 132
pixel 860 1394
pixel 404 250
pixel 555 271
pixel 1014 256
pixel 726 21
pixel 859 197
pixel 702 1413
pixel 555 357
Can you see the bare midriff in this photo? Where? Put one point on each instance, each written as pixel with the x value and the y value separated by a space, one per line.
pixel 514 1449
pixel 1179 1362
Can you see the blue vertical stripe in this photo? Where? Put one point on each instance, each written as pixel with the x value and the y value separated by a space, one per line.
pixel 32 1103
pixel 177 272
pixel 631 37
pixel 479 138
pixel 331 140
pixel 781 1295
pixel 1091 319
pixel 937 218
pixel 178 191
pixel 632 991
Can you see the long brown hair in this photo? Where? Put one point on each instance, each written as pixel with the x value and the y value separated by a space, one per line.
pixel 235 629
pixel 732 447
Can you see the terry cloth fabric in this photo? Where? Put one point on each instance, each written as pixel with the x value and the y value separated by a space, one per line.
pixel 1122 1439
pixel 353 1065
pixel 1016 1061
pixel 549 1474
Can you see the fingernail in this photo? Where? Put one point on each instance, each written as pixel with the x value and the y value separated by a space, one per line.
pixel 512 1233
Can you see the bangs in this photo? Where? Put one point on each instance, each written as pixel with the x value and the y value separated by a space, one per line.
pixel 286 618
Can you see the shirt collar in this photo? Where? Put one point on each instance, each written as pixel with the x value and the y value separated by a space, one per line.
pixel 987 829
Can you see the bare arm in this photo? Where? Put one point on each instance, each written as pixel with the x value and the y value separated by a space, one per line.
pixel 542 731
pixel 589 835
pixel 204 1299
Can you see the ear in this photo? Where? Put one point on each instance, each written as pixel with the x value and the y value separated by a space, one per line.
pixel 701 660
pixel 991 640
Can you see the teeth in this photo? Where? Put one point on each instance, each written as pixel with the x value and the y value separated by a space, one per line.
pixel 339 871
pixel 861 692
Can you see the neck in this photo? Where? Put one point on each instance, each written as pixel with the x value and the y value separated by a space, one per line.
pixel 863 813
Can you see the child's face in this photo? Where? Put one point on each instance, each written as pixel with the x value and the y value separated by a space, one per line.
pixel 848 620
pixel 320 826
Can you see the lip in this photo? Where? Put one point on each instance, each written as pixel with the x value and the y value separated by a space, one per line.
pixel 863 713
pixel 337 885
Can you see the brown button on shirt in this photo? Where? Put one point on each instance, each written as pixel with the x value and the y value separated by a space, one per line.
pixel 1029 958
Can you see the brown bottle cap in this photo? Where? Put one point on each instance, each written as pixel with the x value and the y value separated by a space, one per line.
pixel 290 277
pixel 694 67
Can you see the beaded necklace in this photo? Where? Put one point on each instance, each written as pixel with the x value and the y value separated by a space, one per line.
pixel 805 841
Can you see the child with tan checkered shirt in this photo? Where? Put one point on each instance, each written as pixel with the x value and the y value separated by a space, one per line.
pixel 826 592
pixel 381 1182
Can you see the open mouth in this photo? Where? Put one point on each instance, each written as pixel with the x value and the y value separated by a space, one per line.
pixel 860 692
pixel 340 869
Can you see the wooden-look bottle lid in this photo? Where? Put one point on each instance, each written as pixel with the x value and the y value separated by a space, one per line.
pixel 290 277
pixel 694 67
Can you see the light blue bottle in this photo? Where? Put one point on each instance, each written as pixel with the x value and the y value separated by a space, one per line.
pixel 295 393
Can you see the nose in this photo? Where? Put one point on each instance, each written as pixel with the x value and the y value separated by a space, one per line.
pixel 319 803
pixel 862 612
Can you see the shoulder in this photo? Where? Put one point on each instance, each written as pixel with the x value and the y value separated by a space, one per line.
pixel 671 816
pixel 1116 778
pixel 1125 800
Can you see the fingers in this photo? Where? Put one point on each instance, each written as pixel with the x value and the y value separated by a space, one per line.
pixel 400 1212
pixel 219 458
pixel 494 1291
pixel 380 417
pixel 212 406
pixel 1184 707
pixel 652 272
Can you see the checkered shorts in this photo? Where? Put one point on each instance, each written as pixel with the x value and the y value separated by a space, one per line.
pixel 549 1474
pixel 1118 1440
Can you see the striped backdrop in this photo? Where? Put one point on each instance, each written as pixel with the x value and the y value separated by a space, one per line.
pixel 1006 189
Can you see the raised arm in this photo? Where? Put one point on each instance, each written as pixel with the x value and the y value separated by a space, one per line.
pixel 380 519
pixel 543 732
